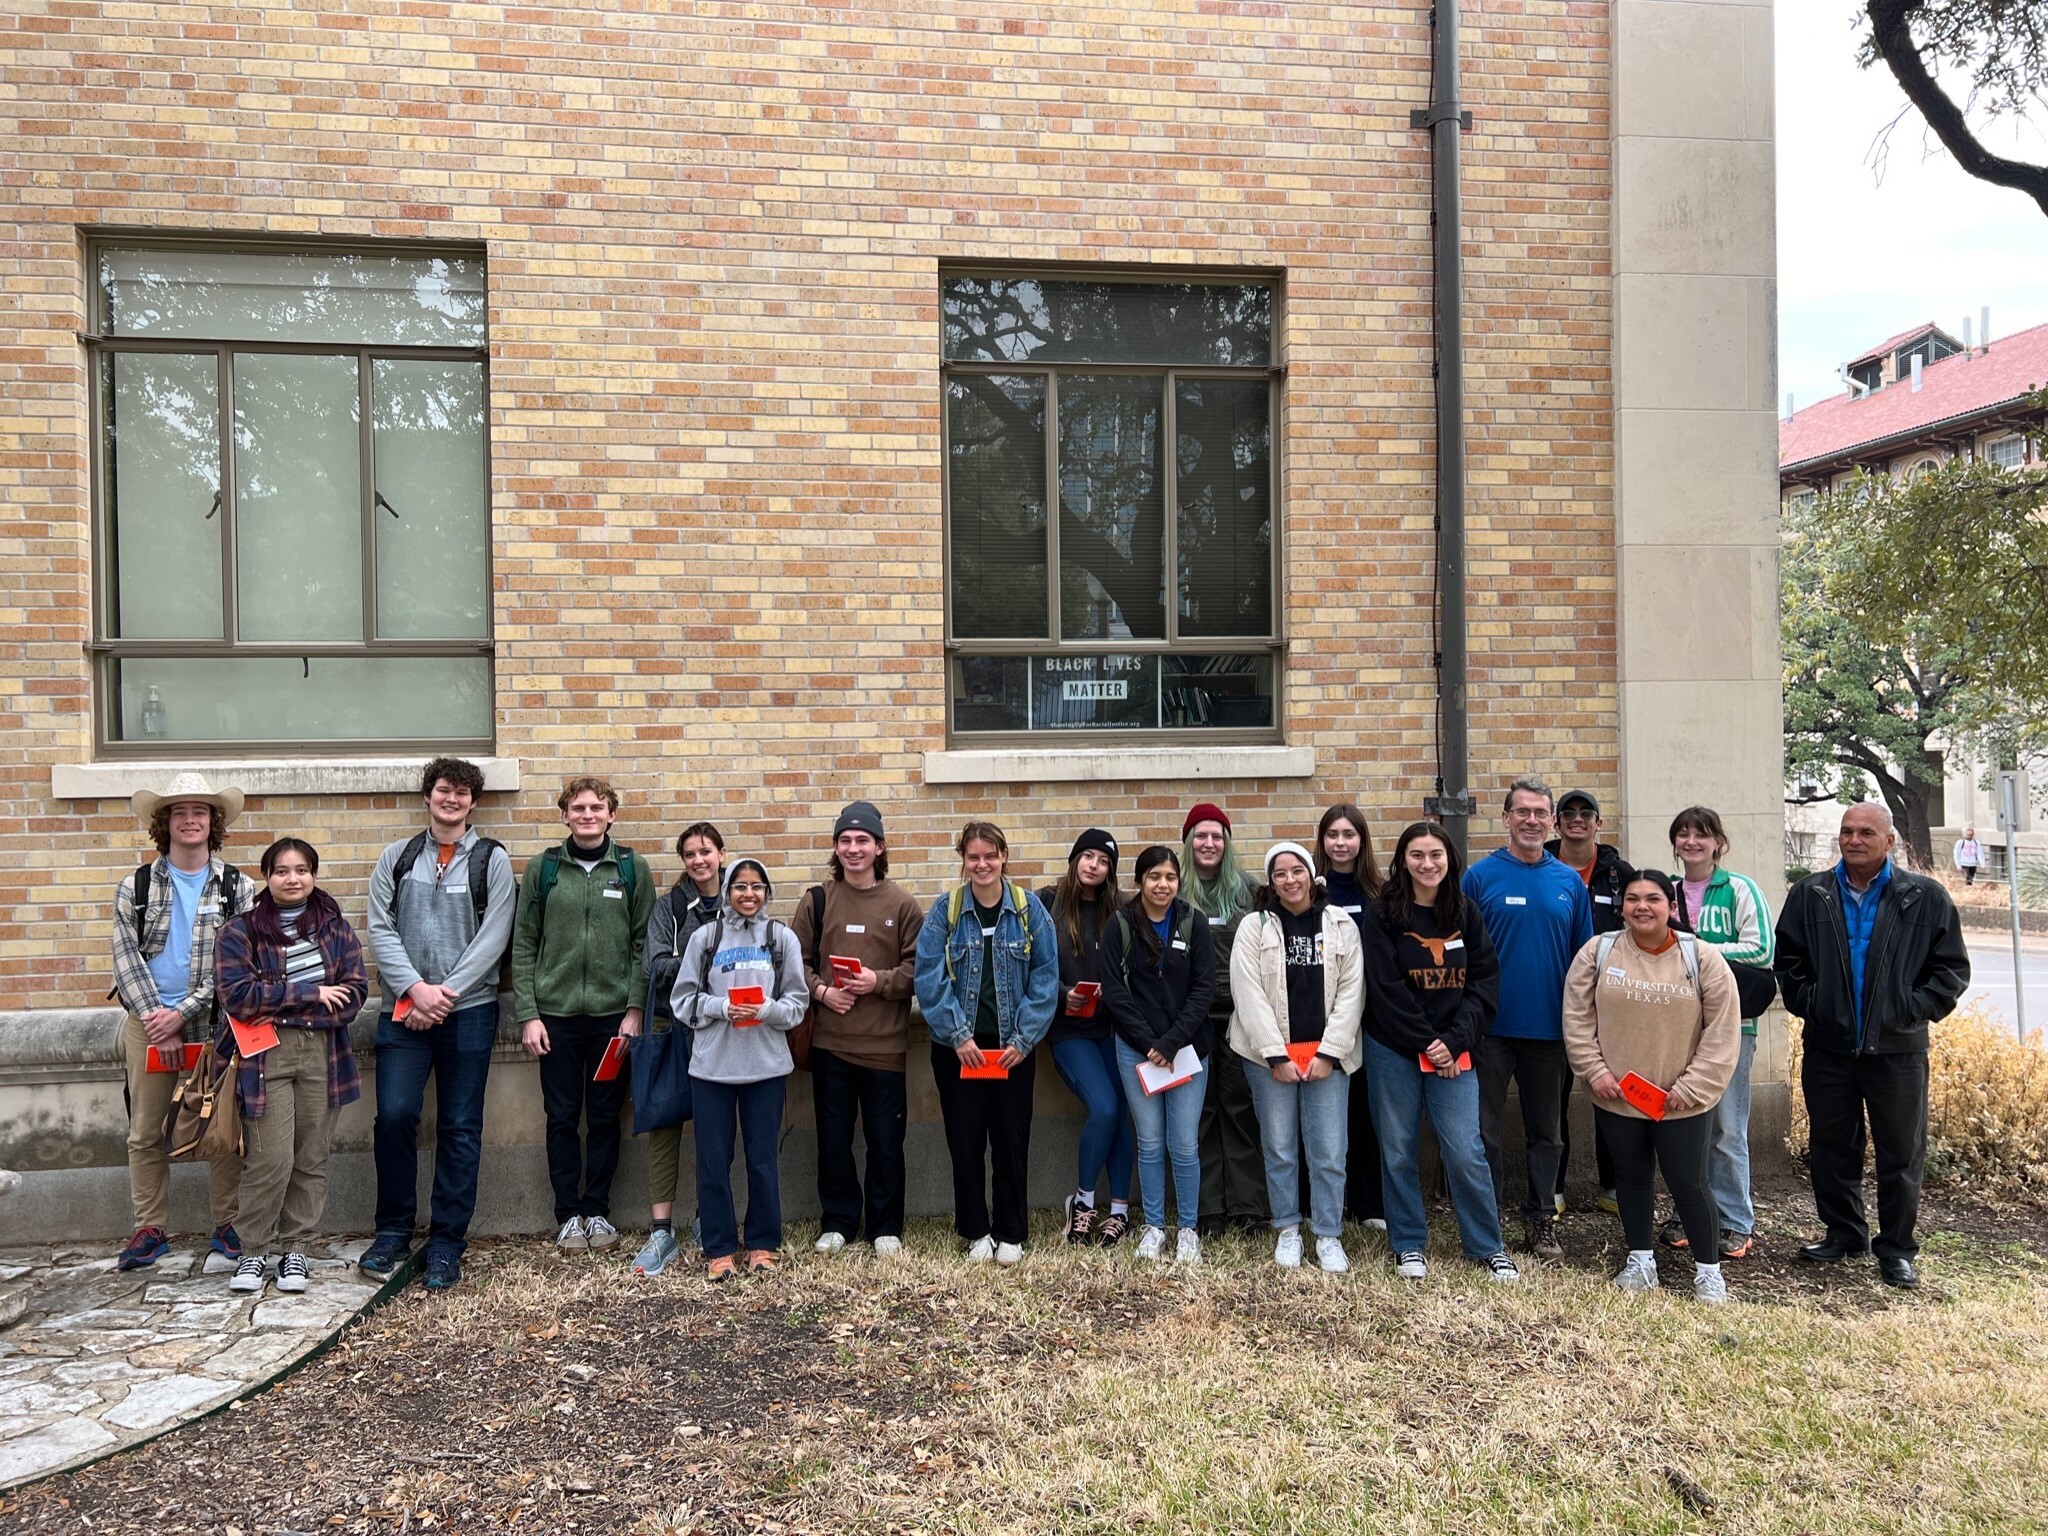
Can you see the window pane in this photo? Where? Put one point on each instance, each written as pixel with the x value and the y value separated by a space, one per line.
pixel 992 693
pixel 298 494
pixel 1225 488
pixel 281 698
pixel 356 298
pixel 433 522
pixel 995 438
pixel 1007 319
pixel 1144 691
pixel 1217 692
pixel 162 467
pixel 1112 524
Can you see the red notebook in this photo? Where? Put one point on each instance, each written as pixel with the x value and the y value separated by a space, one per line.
pixel 754 996
pixel 400 1009
pixel 1644 1094
pixel 1302 1052
pixel 991 1069
pixel 254 1037
pixel 174 1058
pixel 843 968
pixel 614 1059
pixel 1091 992
pixel 1464 1062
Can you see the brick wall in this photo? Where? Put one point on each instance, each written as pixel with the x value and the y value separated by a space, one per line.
pixel 714 232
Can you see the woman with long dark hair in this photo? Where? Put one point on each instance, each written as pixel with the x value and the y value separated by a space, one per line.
pixel 1433 983
pixel 1351 882
pixel 1082 1041
pixel 293 962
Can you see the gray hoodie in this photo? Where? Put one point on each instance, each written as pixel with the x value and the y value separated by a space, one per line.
pixel 743 952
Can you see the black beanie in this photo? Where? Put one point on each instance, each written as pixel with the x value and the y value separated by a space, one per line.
pixel 1100 841
pixel 860 816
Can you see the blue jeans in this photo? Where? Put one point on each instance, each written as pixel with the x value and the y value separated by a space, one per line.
pixel 755 1111
pixel 1168 1124
pixel 1298 1117
pixel 1089 1068
pixel 457 1051
pixel 1728 1147
pixel 1401 1092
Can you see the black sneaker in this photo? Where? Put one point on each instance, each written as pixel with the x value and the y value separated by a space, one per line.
pixel 1112 1229
pixel 1080 1223
pixel 1672 1235
pixel 385 1255
pixel 444 1271
pixel 1540 1236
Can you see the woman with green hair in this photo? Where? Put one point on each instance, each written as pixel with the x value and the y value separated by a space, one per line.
pixel 1233 1163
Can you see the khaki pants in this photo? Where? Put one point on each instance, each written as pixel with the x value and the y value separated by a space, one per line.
pixel 149 1171
pixel 284 1167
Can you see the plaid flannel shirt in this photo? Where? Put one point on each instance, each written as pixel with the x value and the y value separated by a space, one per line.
pixel 253 986
pixel 132 954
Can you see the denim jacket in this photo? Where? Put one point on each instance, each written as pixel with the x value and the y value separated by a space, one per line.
pixel 1025 995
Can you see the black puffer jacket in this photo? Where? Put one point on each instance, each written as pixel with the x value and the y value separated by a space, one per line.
pixel 1916 969
pixel 1160 1004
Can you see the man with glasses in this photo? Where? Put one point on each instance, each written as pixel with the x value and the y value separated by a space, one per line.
pixel 1539 916
pixel 1606 874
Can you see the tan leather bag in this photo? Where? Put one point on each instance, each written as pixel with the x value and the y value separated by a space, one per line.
pixel 206 1112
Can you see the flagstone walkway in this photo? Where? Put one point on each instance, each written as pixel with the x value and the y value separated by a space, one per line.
pixel 93 1360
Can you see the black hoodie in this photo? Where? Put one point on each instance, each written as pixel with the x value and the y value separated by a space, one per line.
pixel 1166 1002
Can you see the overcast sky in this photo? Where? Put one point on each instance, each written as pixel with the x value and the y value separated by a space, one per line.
pixel 1866 251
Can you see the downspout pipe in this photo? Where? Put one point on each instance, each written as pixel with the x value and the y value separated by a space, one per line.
pixel 1443 119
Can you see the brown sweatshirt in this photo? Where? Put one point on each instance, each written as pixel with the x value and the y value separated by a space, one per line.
pixel 877 927
pixel 1639 1013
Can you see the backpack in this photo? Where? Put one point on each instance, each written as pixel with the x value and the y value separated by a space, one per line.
pixel 957 903
pixel 551 871
pixel 1182 933
pixel 479 872
pixel 1688 947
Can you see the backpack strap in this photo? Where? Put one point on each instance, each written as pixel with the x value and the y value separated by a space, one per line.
pixel 1607 942
pixel 1689 949
pixel 408 856
pixel 627 860
pixel 144 873
pixel 1124 935
pixel 816 897
pixel 479 874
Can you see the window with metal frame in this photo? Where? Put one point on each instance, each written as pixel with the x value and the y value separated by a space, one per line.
pixel 291 497
pixel 2007 452
pixel 1111 496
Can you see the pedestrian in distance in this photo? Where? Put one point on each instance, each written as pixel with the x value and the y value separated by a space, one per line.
pixel 1432 983
pixel 988 976
pixel 1233 1167
pixel 291 962
pixel 1968 854
pixel 1653 1028
pixel 1298 980
pixel 1351 881
pixel 1606 873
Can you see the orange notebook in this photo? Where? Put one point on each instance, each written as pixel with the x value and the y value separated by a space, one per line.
pixel 174 1058
pixel 614 1058
pixel 991 1069
pixel 254 1037
pixel 1644 1094
pixel 1464 1061
pixel 753 996
pixel 1302 1052
pixel 844 968
pixel 1091 994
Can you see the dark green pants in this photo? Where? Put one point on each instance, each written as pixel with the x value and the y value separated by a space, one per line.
pixel 1233 1166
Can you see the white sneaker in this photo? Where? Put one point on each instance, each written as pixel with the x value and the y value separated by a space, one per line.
pixel 885 1247
pixel 832 1242
pixel 1287 1249
pixel 1708 1287
pixel 1639 1273
pixel 1502 1270
pixel 1151 1242
pixel 293 1273
pixel 1187 1249
pixel 1375 1224
pixel 1009 1253
pixel 572 1238
pixel 981 1250
pixel 1412 1266
pixel 250 1274
pixel 1331 1258
pixel 600 1233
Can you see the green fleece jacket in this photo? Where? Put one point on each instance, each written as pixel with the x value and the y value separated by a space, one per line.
pixel 584 960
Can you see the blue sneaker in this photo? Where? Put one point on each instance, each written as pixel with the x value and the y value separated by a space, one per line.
pixel 654 1258
pixel 147 1246
pixel 223 1251
pixel 444 1270
pixel 385 1255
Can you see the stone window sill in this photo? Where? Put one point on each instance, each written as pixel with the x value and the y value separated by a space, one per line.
pixel 266 775
pixel 1099 765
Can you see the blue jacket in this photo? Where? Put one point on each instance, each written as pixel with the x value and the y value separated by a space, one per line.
pixel 1027 992
pixel 1539 917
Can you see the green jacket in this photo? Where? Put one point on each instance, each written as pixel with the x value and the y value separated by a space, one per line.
pixel 585 959
pixel 1735 919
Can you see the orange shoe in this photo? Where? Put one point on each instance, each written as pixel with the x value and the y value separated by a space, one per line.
pixel 762 1261
pixel 722 1268
pixel 1738 1245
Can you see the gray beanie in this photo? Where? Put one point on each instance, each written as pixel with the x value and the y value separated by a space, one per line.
pixel 861 816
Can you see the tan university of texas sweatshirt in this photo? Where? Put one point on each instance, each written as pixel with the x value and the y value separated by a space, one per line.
pixel 1640 1013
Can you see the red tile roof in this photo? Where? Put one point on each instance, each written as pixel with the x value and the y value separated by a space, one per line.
pixel 1951 390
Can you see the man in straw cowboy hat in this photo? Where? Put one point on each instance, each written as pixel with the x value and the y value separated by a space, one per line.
pixel 166 916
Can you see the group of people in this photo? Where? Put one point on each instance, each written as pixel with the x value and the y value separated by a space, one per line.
pixel 1269 1045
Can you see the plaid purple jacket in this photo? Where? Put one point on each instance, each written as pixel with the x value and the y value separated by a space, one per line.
pixel 249 974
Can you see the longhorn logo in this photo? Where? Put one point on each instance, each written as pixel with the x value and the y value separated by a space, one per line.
pixel 1434 946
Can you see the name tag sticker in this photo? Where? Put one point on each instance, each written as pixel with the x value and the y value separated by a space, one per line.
pixel 856 927
pixel 457 890
pixel 210 909
pixel 1180 943
pixel 1605 901
pixel 614 895
pixel 1451 944
pixel 1617 973
pixel 1354 911
pixel 1218 922
pixel 1516 901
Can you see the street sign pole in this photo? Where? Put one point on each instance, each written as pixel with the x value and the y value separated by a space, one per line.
pixel 2008 821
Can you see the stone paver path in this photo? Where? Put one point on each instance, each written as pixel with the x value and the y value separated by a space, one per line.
pixel 93 1360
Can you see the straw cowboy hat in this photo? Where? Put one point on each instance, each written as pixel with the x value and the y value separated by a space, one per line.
pixel 189 787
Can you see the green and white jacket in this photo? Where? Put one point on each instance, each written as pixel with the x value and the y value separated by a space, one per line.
pixel 1736 920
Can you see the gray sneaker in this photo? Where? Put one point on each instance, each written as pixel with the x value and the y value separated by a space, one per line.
pixel 654 1256
pixel 599 1233
pixel 572 1238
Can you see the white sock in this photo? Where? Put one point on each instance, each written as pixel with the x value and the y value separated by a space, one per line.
pixel 1085 1197
pixel 1119 1207
pixel 1707 1269
pixel 1647 1255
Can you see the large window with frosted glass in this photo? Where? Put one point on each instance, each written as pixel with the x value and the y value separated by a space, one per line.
pixel 1110 496
pixel 292 497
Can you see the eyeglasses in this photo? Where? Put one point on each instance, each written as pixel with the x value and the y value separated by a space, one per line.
pixel 1526 814
pixel 747 888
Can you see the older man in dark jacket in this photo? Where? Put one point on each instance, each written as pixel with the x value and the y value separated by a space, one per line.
pixel 1868 956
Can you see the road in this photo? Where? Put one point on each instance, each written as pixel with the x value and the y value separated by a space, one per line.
pixel 1991 981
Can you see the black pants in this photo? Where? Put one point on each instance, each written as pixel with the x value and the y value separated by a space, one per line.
pixel 1233 1157
pixel 1603 1160
pixel 988 1131
pixel 1840 1090
pixel 1364 1198
pixel 1539 1069
pixel 1969 874
pixel 1679 1148
pixel 580 1164
pixel 840 1090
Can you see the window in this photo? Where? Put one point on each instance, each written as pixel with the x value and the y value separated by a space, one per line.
pixel 2007 452
pixel 1110 494
pixel 291 497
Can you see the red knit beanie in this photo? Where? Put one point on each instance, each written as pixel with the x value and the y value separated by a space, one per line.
pixel 1204 812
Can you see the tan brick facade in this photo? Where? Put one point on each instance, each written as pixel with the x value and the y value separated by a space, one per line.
pixel 714 233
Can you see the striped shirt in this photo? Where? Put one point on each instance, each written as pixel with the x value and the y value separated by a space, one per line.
pixel 303 961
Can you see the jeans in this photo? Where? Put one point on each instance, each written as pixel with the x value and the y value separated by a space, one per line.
pixel 881 1098
pixel 1298 1118
pixel 988 1123
pixel 1538 1067
pixel 457 1052
pixel 1233 1166
pixel 1089 1068
pixel 1167 1125
pixel 1679 1149
pixel 1401 1093
pixel 1839 1088
pixel 1728 1151
pixel 580 1166
pixel 755 1109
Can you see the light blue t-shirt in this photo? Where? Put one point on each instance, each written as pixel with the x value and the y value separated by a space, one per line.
pixel 172 968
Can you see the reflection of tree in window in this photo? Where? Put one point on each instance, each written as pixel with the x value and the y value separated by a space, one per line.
pixel 1001 319
pixel 298 498
pixel 995 435
pixel 1112 523
pixel 1225 529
